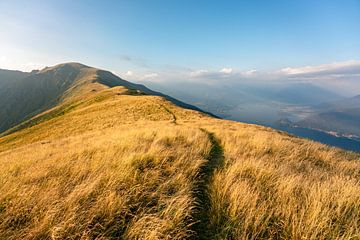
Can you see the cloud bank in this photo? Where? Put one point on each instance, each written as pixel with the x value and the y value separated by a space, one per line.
pixel 339 76
pixel 347 68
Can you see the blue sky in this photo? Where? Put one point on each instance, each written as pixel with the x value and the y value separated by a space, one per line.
pixel 155 37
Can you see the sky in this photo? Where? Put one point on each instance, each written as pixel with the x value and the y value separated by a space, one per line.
pixel 175 40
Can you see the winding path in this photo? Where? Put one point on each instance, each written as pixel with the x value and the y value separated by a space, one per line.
pixel 202 226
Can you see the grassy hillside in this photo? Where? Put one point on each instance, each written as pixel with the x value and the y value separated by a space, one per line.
pixel 24 95
pixel 118 164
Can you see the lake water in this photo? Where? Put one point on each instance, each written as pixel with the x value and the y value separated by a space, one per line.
pixel 267 114
pixel 342 142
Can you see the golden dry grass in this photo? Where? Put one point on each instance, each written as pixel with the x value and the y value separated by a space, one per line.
pixel 117 166
pixel 280 187
pixel 113 183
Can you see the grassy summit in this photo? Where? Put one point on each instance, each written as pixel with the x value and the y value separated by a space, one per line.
pixel 111 162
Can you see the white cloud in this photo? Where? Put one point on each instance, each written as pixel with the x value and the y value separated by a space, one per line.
pixel 346 67
pixel 7 63
pixel 198 73
pixel 211 74
pixel 224 73
pixel 226 70
pixel 129 73
pixel 251 72
pixel 141 76
pixel 34 66
pixel 150 75
pixel 343 76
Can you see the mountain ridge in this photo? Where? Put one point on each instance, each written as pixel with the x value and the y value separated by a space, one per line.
pixel 41 90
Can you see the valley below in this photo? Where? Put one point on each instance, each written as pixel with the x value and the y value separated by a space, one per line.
pixel 287 111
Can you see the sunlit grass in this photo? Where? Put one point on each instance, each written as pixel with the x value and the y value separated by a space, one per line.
pixel 120 166
pixel 104 184
pixel 275 186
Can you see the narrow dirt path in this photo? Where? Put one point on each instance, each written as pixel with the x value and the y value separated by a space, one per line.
pixel 174 119
pixel 172 114
pixel 202 226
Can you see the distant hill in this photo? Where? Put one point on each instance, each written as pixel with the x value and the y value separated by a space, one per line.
pixel 305 94
pixel 340 104
pixel 107 159
pixel 340 117
pixel 24 95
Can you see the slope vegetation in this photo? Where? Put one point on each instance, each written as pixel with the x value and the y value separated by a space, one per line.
pixel 24 95
pixel 117 163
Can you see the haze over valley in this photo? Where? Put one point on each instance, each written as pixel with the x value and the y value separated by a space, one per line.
pixel 298 106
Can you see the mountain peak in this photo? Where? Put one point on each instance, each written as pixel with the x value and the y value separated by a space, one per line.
pixel 65 66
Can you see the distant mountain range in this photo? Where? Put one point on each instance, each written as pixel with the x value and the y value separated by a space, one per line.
pixel 281 105
pixel 264 102
pixel 304 94
pixel 338 117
